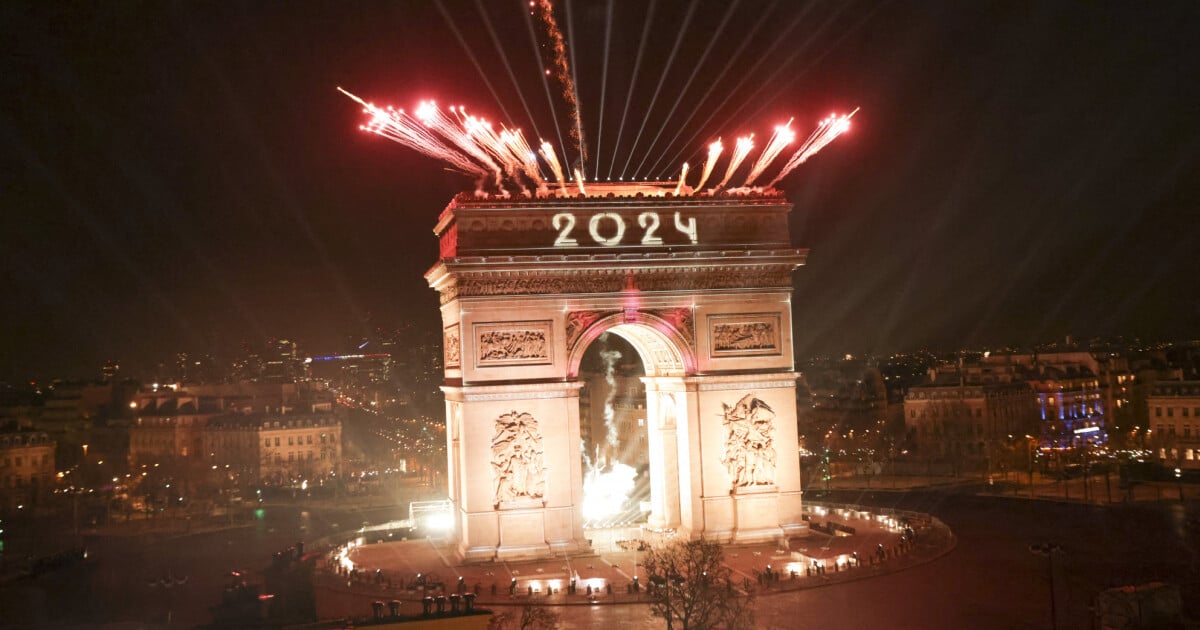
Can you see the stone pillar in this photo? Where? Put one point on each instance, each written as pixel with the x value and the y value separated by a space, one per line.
pixel 516 462
pixel 742 469
pixel 662 412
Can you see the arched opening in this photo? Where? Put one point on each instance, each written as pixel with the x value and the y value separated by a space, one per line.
pixel 628 458
pixel 612 432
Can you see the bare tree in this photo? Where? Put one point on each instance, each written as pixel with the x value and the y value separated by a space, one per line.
pixel 532 618
pixel 690 586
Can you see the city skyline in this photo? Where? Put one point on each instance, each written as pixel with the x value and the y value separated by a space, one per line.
pixel 177 178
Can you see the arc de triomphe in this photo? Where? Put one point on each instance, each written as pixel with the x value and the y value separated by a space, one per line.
pixel 701 286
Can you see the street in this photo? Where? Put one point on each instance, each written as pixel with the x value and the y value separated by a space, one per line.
pixel 990 580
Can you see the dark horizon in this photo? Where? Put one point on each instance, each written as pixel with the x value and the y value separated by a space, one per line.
pixel 177 178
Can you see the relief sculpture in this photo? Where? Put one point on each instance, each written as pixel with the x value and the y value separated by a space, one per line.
pixel 577 322
pixel 749 443
pixel 508 345
pixel 452 348
pixel 744 336
pixel 517 461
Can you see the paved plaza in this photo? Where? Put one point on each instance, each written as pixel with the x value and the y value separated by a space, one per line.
pixel 409 570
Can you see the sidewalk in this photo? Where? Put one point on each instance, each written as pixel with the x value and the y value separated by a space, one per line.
pixel 1093 490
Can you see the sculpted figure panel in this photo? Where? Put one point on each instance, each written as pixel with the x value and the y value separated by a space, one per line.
pixel 749 442
pixel 517 459
pixel 513 343
pixel 738 335
pixel 452 346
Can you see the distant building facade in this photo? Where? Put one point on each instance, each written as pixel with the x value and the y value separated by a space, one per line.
pixel 967 422
pixel 26 467
pixel 238 437
pixel 1174 408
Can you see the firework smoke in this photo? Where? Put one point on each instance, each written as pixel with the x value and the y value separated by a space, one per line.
pixel 827 130
pixel 740 151
pixel 610 358
pixel 562 71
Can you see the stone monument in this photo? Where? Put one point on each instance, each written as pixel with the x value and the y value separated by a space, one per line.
pixel 700 285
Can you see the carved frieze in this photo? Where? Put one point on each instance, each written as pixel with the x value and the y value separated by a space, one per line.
pixel 744 334
pixel 452 347
pixel 749 442
pixel 513 343
pixel 517 459
pixel 697 278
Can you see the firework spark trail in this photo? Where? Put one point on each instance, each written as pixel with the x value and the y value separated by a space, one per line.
pixel 579 182
pixel 471 55
pixel 603 83
pixel 782 137
pixel 687 20
pixel 515 142
pixel 773 78
pixel 487 22
pixel 740 150
pixel 429 113
pixel 547 152
pixel 714 152
pixel 712 87
pixel 637 64
pixel 401 127
pixel 583 152
pixel 562 72
pixel 783 38
pixel 795 76
pixel 687 84
pixel 682 179
pixel 545 84
pixel 827 131
pixel 481 134
pixel 505 147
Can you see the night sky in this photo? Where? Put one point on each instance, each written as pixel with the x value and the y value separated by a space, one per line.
pixel 185 177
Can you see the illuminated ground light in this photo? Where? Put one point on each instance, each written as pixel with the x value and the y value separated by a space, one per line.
pixel 438 522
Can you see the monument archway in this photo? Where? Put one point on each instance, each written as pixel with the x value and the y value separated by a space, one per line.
pixel 700 286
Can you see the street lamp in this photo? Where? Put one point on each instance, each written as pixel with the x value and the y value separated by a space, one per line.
pixel 1029 444
pixel 1048 549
